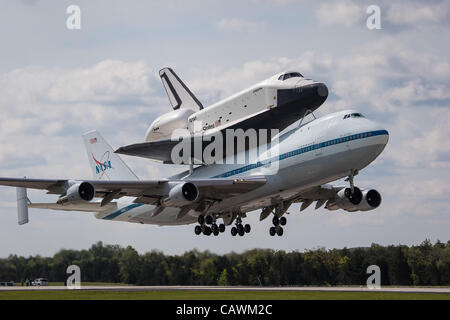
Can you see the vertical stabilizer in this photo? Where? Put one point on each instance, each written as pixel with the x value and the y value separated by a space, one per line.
pixel 179 95
pixel 105 164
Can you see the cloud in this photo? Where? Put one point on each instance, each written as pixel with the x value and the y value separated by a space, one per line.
pixel 45 110
pixel 414 14
pixel 105 82
pixel 346 13
pixel 238 25
pixel 217 83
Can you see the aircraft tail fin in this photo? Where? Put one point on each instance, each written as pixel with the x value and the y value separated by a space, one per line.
pixel 105 164
pixel 179 95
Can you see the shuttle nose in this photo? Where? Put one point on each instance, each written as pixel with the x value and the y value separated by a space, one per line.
pixel 309 96
pixel 316 90
pixel 322 90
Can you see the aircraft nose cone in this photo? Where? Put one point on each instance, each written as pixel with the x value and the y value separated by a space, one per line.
pixel 379 133
pixel 317 92
pixel 322 90
pixel 309 96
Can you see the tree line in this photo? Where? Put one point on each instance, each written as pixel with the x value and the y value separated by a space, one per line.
pixel 426 264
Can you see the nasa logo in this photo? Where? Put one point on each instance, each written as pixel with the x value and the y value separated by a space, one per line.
pixel 103 165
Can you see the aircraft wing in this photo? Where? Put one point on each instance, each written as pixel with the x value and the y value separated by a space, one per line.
pixel 322 192
pixel 147 191
pixel 85 207
pixel 325 193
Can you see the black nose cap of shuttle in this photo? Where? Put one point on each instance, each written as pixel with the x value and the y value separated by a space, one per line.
pixel 322 90
pixel 309 96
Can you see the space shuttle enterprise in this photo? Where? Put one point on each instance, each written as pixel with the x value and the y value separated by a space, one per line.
pixel 274 103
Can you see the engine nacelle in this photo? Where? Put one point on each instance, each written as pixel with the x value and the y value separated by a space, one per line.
pixel 180 195
pixel 347 200
pixel 77 192
pixel 164 125
pixel 371 200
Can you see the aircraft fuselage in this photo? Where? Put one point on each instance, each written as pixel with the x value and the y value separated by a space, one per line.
pixel 318 152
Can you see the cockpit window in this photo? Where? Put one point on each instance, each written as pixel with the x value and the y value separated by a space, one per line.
pixel 290 75
pixel 353 115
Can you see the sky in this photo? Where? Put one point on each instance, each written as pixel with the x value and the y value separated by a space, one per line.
pixel 57 83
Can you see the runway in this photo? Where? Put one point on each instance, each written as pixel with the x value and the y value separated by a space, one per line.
pixel 445 290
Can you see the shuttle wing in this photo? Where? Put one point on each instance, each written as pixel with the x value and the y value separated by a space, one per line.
pixel 161 150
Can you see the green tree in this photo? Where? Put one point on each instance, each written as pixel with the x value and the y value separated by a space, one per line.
pixel 223 278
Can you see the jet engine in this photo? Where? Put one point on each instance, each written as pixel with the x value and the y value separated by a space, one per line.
pixel 365 200
pixel 346 200
pixel 180 195
pixel 371 200
pixel 164 125
pixel 77 192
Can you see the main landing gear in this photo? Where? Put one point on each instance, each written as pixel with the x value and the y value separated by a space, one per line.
pixel 240 229
pixel 207 225
pixel 277 228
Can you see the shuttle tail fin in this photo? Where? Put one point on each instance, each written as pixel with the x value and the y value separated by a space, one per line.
pixel 105 164
pixel 179 95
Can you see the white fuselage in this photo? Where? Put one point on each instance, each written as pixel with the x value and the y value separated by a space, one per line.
pixel 318 152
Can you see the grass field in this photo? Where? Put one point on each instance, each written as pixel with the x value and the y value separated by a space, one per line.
pixel 216 295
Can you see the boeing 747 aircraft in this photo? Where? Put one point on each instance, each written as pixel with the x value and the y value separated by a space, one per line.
pixel 306 159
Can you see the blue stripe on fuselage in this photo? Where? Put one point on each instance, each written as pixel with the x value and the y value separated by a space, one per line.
pixel 296 152
pixel 123 210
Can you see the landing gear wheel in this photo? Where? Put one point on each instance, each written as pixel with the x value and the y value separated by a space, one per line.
pixel 198 230
pixel 216 232
pixel 247 228
pixel 207 231
pixel 215 228
pixel 279 231
pixel 275 221
pixel 221 228
pixel 283 221
pixel 201 220
pixel 233 231
pixel 272 231
pixel 240 229
pixel 209 220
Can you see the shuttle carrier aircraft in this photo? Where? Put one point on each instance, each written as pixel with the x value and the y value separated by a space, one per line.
pixel 306 159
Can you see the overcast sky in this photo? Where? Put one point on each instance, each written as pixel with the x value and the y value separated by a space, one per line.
pixel 56 84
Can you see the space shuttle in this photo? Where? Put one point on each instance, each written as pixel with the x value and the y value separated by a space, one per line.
pixel 274 103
